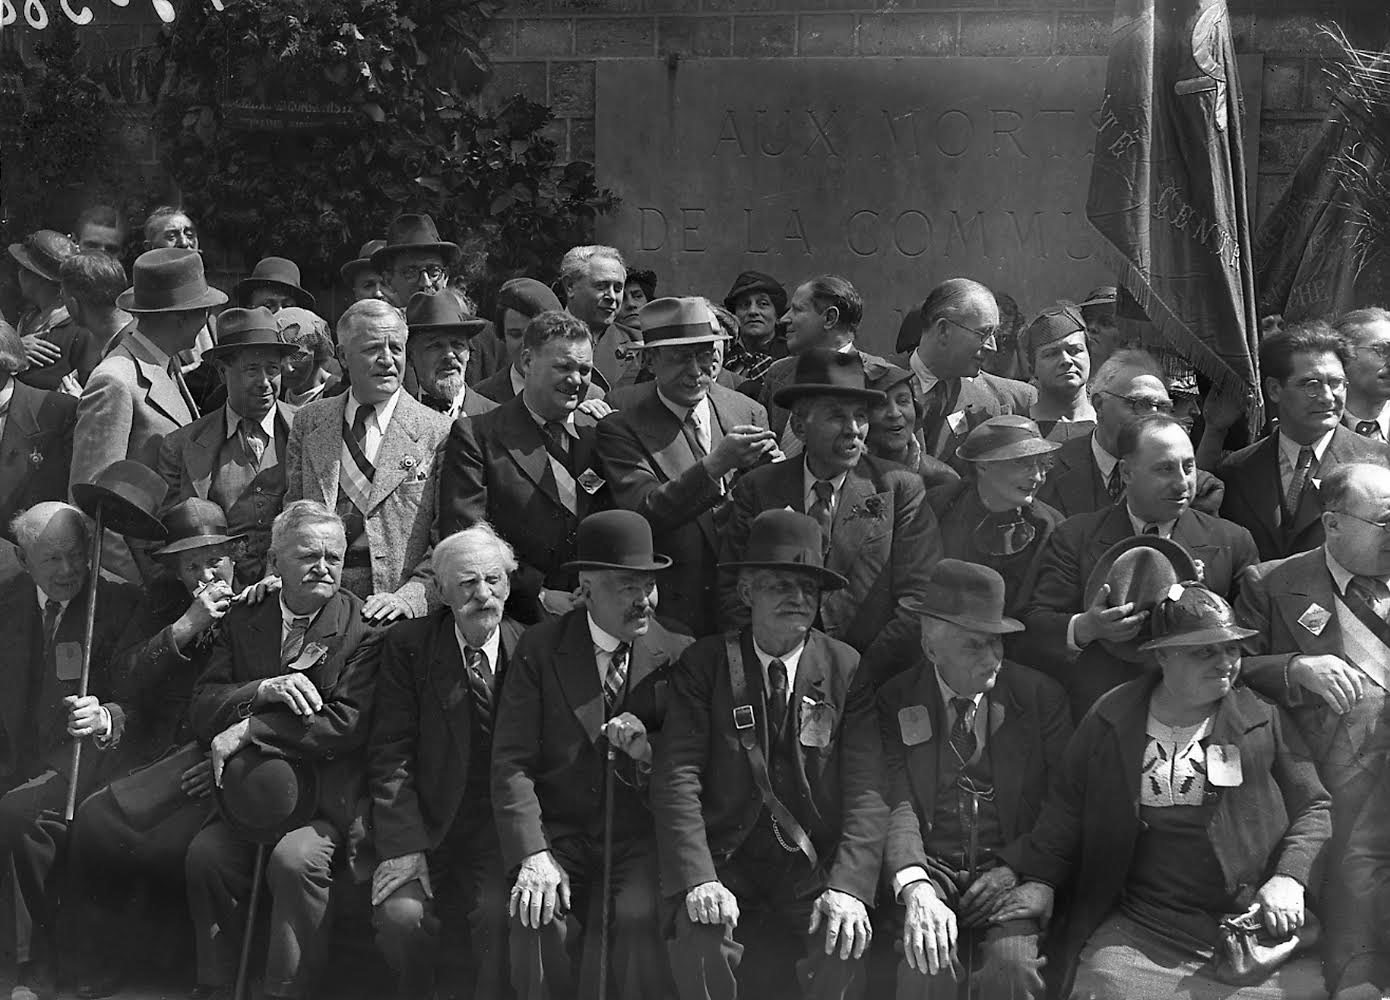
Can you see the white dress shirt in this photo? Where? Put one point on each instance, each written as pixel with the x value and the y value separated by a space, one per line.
pixel 266 424
pixel 808 490
pixel 1288 456
pixel 1381 420
pixel 1165 528
pixel 1105 461
pixel 490 649
pixel 789 660
pixel 287 618
pixel 6 394
pixel 43 600
pixel 699 413
pixel 377 421
pixel 605 645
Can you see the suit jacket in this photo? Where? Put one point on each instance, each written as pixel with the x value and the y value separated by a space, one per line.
pixel 984 396
pixel 498 387
pixel 779 374
pixel 1074 485
pixel 1225 550
pixel 883 539
pixel 496 469
pixel 247 651
pixel 400 519
pixel 474 403
pixel 1255 491
pixel 703 794
pixel 418 756
pixel 1275 822
pixel 80 356
pixel 35 450
pixel 1029 726
pixel 653 470
pixel 547 763
pixel 187 460
pixel 1365 957
pixel 487 355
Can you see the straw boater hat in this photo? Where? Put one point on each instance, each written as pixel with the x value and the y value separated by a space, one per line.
pixel 168 280
pixel 240 328
pixel 787 539
pixel 415 233
pixel 670 322
pixel 274 272
pixel 618 540
pixel 823 372
pixel 43 253
pixel 966 594
pixel 195 524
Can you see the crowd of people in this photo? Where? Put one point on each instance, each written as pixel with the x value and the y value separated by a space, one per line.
pixel 636 646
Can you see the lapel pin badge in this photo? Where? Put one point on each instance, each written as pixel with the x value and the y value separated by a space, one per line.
pixel 36 457
pixel 408 463
pixel 1315 619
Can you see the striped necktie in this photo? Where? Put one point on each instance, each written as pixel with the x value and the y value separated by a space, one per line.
pixel 294 639
pixel 479 671
pixel 357 470
pixel 615 680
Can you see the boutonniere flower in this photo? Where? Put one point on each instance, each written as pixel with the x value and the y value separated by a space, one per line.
pixel 872 509
pixel 36 457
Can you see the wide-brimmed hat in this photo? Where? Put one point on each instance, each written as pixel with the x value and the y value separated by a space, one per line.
pixel 1140 570
pixel 417 233
pixel 526 296
pixel 1192 615
pixel 670 322
pixel 1007 436
pixel 264 796
pixel 615 539
pixel 275 272
pixel 363 261
pixel 169 280
pixel 239 328
pixel 825 372
pixel 43 253
pixel 790 540
pixel 426 313
pixel 966 594
pixel 129 493
pixel 757 281
pixel 195 524
pixel 1052 324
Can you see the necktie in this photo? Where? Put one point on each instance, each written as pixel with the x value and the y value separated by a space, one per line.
pixel 51 610
pixel 557 444
pixel 616 679
pixel 176 373
pixel 294 640
pixel 479 671
pixel 962 738
pixel 777 695
pixel 935 405
pixel 1115 485
pixel 1301 472
pixel 252 440
pixel 820 510
pixel 699 442
pixel 1366 428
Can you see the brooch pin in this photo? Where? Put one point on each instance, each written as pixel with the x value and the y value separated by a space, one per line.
pixel 871 508
pixel 408 463
pixel 36 457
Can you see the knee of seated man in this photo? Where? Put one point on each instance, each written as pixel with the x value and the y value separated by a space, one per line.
pixel 634 909
pixel 401 913
pixel 1012 950
pixel 300 855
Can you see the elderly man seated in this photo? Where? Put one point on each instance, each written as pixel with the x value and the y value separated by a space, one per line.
pixel 295 675
pixel 767 786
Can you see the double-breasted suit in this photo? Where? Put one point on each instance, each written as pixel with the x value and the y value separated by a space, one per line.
pixel 35 450
pixel 1074 485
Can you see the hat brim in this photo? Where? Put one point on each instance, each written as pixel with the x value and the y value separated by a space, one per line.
pixel 348 272
pixel 1003 625
pixel 118 514
pixel 382 258
pixel 248 827
pixel 1019 449
pixel 658 563
pixel 1183 564
pixel 221 351
pixel 469 328
pixel 210 298
pixel 678 341
pixel 768 290
pixel 789 394
pixel 828 578
pixel 245 285
pixel 197 542
pixel 1202 637
pixel 25 261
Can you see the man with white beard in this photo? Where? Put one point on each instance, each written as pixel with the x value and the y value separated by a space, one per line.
pixel 438 347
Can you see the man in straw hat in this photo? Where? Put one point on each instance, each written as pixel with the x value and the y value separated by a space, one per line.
pixel 35 436
pixel 877 529
pixel 767 791
pixel 414 258
pixel 234 456
pixel 272 284
pixel 439 346
pixel 362 277
pixel 600 670
pixel 673 451
pixel 971 741
pixel 54 343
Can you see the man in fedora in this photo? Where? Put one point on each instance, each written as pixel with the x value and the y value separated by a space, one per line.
pixel 429 763
pixel 672 453
pixel 530 467
pixel 234 456
pixel 1074 622
pixel 877 530
pixel 414 259
pixel 599 671
pixel 767 791
pixel 294 676
pixel 369 454
pixel 438 347
pixel 272 284
pixel 35 436
pixel 971 741
pixel 361 276
pixel 55 345
pixel 519 301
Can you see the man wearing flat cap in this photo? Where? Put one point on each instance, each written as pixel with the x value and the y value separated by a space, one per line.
pixel 674 451
pixel 757 301
pixel 767 791
pixel 1054 345
pixel 54 344
pixel 877 529
pixel 591 682
pixel 438 347
pixel 35 436
pixel 273 284
pixel 234 456
pixel 971 742
pixel 519 301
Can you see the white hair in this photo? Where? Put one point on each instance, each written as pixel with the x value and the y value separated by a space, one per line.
pixel 296 515
pixel 574 265
pixel 367 310
pixel 28 525
pixel 462 544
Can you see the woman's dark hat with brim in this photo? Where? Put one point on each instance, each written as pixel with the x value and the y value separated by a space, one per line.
pixel 615 540
pixel 129 493
pixel 756 281
pixel 241 328
pixel 43 253
pixel 787 540
pixel 966 594
pixel 824 372
pixel 426 313
pixel 349 271
pixel 1141 570
pixel 417 234
pixel 275 272
pixel 264 796
pixel 1192 615
pixel 195 524
pixel 1003 438
pixel 169 280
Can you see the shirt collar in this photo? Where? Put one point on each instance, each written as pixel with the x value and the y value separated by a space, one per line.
pixel 925 378
pixel 541 421
pixel 808 483
pixel 604 641
pixel 160 357
pixel 1165 528
pixel 700 409
pixel 43 599
pixel 384 410
pixel 949 693
pixel 1381 419
pixel 7 393
pixel 789 660
pixel 518 380
pixel 287 616
pixel 1341 576
pixel 267 422
pixel 490 647
pixel 1105 461
pixel 1289 448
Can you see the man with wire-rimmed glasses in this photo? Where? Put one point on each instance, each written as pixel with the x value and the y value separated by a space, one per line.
pixel 414 258
pixel 1367 333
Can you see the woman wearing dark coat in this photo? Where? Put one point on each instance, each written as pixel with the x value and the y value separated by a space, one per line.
pixel 1182 799
pixel 895 425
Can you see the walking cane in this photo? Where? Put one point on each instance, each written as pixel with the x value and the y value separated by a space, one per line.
pixel 243 964
pixel 605 887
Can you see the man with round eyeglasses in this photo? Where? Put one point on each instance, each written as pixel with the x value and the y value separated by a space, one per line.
pixel 1367 333
pixel 414 258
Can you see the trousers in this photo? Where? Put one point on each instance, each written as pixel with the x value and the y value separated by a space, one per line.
pixel 32 835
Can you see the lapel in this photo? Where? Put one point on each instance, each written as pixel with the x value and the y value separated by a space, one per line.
pixel 1127 715
pixel 576 670
pixel 450 686
pixel 585 460
pixel 661 435
pixel 331 623
pixel 394 458
pixel 852 521
pixel 161 392
pixel 923 759
pixel 1262 487
pixel 263 640
pixel 1305 590
pixel 812 684
pixel 519 435
pixel 1080 486
pixel 201 459
pixel 323 447
pixel 21 427
pixel 1008 750
pixel 1113 527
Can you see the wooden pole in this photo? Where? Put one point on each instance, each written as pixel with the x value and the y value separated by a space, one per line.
pixel 93 581
pixel 243 965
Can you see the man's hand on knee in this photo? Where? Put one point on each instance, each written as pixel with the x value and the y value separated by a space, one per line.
pixel 542 890
pixel 846 923
pixel 393 873
pixel 712 903
pixel 929 931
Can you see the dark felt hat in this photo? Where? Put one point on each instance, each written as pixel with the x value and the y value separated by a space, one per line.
pixel 426 313
pixel 264 796
pixel 757 281
pixel 129 493
pixel 825 372
pixel 169 280
pixel 1192 615
pixel 195 524
pixel 1141 570
pixel 966 594
pixel 238 328
pixel 1002 438
pixel 348 272
pixel 417 233
pixel 670 322
pixel 43 253
pixel 274 272
pixel 526 296
pixel 615 539
pixel 787 539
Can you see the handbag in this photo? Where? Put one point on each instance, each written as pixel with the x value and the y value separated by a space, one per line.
pixel 1246 953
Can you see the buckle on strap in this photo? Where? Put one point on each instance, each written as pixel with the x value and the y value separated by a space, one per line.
pixel 743 717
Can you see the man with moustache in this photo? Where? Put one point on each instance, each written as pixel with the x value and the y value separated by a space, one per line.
pixel 35 436
pixel 1273 485
pixel 601 670
pixel 1367 335
pixel 234 456
pixel 1159 473
pixel 1055 346
pixel 296 675
pixel 439 346
pixel 767 792
pixel 877 528
pixel 428 764
pixel 414 259
pixel 757 301
pixel 370 456
pixel 530 467
pixel 594 279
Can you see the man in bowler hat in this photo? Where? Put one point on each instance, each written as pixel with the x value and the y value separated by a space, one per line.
pixel 592 680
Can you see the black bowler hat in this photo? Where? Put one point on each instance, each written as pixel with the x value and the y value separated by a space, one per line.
pixel 426 313
pixel 615 539
pixel 274 272
pixel 238 328
pixel 264 796
pixel 825 372
pixel 788 540
pixel 195 524
pixel 129 493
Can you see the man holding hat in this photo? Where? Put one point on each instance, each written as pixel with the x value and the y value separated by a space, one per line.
pixel 272 284
pixel 876 527
pixel 234 456
pixel 438 347
pixel 362 277
pixel 414 259
pixel 971 741
pixel 519 301
pixel 757 301
pixel 53 342
pixel 673 452
pixel 767 790
pixel 35 436
pixel 293 677
pixel 1055 347
pixel 599 671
